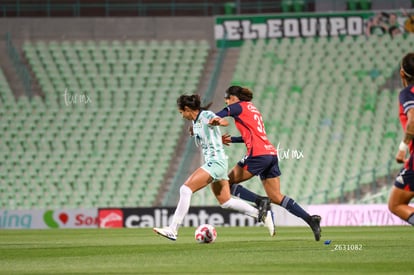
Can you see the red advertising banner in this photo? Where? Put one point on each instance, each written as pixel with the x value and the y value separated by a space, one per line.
pixel 111 218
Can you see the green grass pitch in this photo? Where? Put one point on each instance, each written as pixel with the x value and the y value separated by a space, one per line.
pixel 353 250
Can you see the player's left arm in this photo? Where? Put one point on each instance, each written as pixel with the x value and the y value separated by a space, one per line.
pixel 227 139
pixel 218 121
pixel 408 137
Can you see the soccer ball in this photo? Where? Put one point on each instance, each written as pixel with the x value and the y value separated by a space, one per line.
pixel 205 233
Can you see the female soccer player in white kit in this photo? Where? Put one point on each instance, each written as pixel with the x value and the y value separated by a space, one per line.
pixel 214 170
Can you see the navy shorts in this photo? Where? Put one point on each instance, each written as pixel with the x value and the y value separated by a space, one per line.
pixel 266 166
pixel 405 180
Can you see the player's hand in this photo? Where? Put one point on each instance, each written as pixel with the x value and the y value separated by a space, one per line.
pixel 400 157
pixel 215 121
pixel 226 139
pixel 190 130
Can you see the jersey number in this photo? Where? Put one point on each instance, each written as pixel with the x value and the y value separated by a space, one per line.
pixel 260 125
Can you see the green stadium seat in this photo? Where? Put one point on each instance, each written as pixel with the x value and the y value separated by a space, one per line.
pixel 299 5
pixel 103 152
pixel 352 5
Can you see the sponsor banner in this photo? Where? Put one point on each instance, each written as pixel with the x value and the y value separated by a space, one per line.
pixel 71 218
pixel 158 217
pixel 111 218
pixel 355 215
pixel 332 215
pixel 19 219
pixel 44 219
pixel 236 29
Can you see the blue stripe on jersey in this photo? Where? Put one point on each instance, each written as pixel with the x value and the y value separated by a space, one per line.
pixel 406 98
pixel 408 105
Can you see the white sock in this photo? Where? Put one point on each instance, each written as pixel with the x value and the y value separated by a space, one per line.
pixel 241 206
pixel 182 207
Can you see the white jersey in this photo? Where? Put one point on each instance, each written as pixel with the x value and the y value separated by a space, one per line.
pixel 208 137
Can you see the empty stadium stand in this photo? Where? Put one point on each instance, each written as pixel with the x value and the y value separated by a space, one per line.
pixel 105 131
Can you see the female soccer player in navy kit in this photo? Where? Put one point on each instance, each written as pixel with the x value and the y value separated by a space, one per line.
pixel 261 156
pixel 214 170
pixel 403 190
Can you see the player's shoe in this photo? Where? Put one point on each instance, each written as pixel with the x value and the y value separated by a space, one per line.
pixel 263 206
pixel 269 222
pixel 166 232
pixel 316 227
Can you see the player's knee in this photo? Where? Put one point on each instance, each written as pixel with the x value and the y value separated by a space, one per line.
pixel 185 190
pixel 392 206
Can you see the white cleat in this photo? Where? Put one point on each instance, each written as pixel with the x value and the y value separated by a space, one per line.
pixel 270 223
pixel 166 232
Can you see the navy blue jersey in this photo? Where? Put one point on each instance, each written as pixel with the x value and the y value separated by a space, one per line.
pixel 406 102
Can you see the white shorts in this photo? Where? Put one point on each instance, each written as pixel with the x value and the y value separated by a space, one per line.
pixel 217 169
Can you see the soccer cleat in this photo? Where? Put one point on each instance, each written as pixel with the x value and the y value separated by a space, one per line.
pixel 316 227
pixel 166 232
pixel 269 222
pixel 263 206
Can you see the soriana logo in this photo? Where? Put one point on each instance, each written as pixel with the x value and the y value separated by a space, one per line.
pixel 110 218
pixel 71 218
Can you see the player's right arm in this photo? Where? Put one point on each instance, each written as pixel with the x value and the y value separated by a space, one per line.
pixel 232 110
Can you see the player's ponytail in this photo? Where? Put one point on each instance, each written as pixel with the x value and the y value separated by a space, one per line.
pixel 244 94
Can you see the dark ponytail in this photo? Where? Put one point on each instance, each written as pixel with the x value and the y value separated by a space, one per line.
pixel 244 94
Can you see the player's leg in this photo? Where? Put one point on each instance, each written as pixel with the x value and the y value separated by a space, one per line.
pixel 221 190
pixel 398 204
pixel 401 195
pixel 237 175
pixel 199 179
pixel 272 188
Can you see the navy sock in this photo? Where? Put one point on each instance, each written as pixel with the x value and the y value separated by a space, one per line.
pixel 245 194
pixel 295 209
pixel 410 219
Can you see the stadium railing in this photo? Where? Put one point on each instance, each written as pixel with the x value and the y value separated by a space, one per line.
pixel 20 67
pixel 149 8
pixel 106 8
